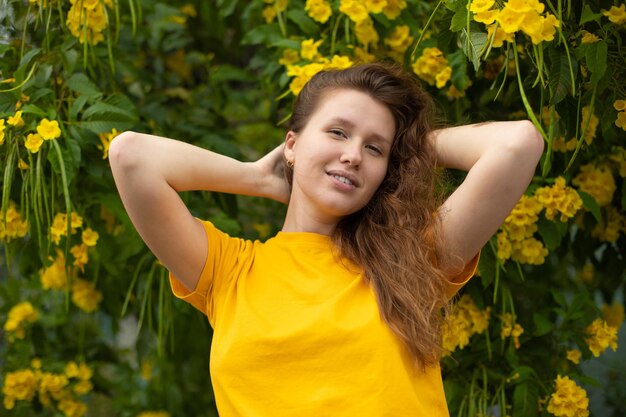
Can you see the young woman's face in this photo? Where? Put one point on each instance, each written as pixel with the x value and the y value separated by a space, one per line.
pixel 340 158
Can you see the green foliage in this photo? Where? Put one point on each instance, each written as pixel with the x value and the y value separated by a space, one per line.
pixel 219 75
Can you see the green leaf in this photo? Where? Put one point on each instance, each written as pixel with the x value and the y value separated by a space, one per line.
pixel 588 15
pixel 33 109
pixel 542 325
pixel 596 59
pixel 525 399
pixel 82 85
pixel 459 20
pixel 550 233
pixel 560 81
pixel 477 44
pixel 266 34
pixel 304 22
pixel 591 205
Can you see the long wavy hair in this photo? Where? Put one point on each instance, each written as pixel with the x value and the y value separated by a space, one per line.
pixel 395 237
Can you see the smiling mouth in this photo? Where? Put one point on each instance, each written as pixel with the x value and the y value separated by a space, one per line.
pixel 342 179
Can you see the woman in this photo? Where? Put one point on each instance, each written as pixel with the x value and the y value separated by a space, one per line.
pixel 339 314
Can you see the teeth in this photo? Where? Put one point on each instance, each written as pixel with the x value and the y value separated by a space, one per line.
pixel 343 179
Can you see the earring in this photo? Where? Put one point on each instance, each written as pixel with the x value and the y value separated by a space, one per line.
pixel 290 164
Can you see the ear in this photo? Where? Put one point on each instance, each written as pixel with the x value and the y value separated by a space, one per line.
pixel 290 145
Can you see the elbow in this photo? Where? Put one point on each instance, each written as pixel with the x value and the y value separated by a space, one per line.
pixel 122 150
pixel 527 142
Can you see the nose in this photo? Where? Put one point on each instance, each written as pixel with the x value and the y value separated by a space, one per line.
pixel 351 154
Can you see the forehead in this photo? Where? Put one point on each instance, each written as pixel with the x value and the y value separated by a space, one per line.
pixel 357 109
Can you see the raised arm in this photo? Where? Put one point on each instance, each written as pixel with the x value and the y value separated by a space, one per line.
pixel 149 171
pixel 500 158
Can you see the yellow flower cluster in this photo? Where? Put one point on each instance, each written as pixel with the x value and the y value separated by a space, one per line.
pixel 619 157
pixel 559 144
pixel 588 37
pixel 154 414
pixel 275 7
pixel 609 228
pixel 433 67
pixel 85 296
pixel 319 10
pixel 559 199
pixel 87 19
pixel 597 181
pixel 510 328
pixel 18 318
pixel 590 133
pixel 105 142
pixel 51 388
pixel 54 277
pixel 59 225
pixel 613 314
pixel 398 41
pixel 358 10
pixel 620 106
pixel 616 14
pixel 517 15
pixel 601 337
pixel 303 73
pixel 515 241
pixel 15 227
pixel 574 355
pixel 568 399
pixel 465 320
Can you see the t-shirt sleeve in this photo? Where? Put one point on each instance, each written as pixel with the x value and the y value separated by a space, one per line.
pixel 221 267
pixel 456 282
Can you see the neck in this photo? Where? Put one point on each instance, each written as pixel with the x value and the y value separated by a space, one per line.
pixel 308 221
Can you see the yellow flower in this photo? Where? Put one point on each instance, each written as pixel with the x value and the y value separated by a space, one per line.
pixel 587 273
pixel 525 212
pixel 400 39
pixel 516 332
pixel 319 10
pixel 14 227
pixel 609 228
pixel 52 385
pixel 339 62
pixel 504 246
pixel 189 10
pixel 308 49
pixel 393 8
pixel 559 198
pixel 477 6
pixel 23 165
pixel 71 407
pixel 362 55
pixel 289 57
pixel 592 125
pixel 48 129
pixel 80 255
pixel 588 37
pixel 54 277
pixel 354 9
pixel 19 385
pixel 454 93
pixel 89 237
pixel 443 76
pixel 16 120
pixel 432 67
pixel 85 296
pixel 568 399
pixel 465 320
pixel 509 19
pixel 105 141
pixel 87 19
pixel 365 32
pixel 529 251
pixel 35 363
pixel 613 314
pixel 596 181
pixel 619 105
pixel 559 144
pixel 20 315
pixel 145 369
pixel 601 337
pixel 375 6
pixel 154 414
pixel 616 14
pixel 621 120
pixel 574 355
pixel 2 126
pixel 500 36
pixel 269 14
pixel 33 142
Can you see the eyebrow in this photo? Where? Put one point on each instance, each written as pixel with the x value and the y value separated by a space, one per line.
pixel 350 124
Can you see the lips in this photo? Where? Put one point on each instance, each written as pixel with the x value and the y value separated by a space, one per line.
pixel 345 177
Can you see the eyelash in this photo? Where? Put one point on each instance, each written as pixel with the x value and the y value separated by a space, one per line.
pixel 339 132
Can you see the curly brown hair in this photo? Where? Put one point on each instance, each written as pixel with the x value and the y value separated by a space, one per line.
pixel 394 238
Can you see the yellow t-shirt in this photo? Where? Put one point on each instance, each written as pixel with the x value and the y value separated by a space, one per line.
pixel 297 333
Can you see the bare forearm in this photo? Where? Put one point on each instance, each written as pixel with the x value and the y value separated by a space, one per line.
pixel 149 159
pixel 461 147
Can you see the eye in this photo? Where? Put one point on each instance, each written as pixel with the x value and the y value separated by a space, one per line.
pixel 338 132
pixel 374 149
